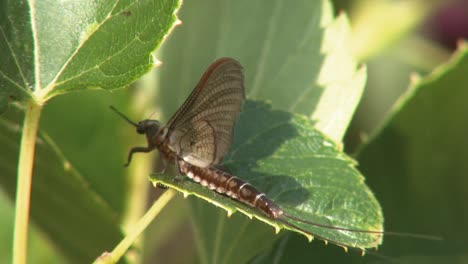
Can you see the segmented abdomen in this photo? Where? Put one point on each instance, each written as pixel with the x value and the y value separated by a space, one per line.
pixel 238 189
pixel 225 183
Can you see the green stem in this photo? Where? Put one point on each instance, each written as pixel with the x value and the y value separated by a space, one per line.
pixel 136 203
pixel 23 188
pixel 123 246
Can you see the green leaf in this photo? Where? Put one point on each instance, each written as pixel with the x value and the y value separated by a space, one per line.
pixel 417 165
pixel 64 205
pixel 414 166
pixel 291 56
pixel 342 84
pixel 16 47
pixel 54 47
pixel 294 54
pixel 282 155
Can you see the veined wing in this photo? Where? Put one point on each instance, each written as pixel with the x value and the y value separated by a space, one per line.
pixel 200 132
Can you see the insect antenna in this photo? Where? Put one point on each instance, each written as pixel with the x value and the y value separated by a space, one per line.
pixel 284 220
pixel 123 116
pixel 286 216
pixel 362 251
pixel 152 114
pixel 326 240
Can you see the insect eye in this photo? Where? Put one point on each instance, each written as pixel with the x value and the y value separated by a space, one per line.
pixel 141 128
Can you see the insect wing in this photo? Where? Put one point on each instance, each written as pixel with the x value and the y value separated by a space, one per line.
pixel 201 130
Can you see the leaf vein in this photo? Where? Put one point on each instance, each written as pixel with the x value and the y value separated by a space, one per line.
pixel 265 50
pixel 76 51
pixel 25 82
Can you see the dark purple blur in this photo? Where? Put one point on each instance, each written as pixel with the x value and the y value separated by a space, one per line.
pixel 449 23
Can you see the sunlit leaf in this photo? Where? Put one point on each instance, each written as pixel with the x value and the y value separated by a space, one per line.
pixel 414 165
pixel 302 170
pixel 53 47
pixel 295 54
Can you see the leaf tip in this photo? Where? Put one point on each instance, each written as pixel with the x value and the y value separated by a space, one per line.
pixel 157 62
pixel 277 229
pixel 415 79
pixel 229 212
pixel 66 165
pixel 345 249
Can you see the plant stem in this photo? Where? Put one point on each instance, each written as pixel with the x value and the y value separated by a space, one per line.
pixel 23 188
pixel 138 193
pixel 123 246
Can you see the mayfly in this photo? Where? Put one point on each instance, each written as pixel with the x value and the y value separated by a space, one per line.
pixel 199 135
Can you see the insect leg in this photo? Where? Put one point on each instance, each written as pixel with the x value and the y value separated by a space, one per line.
pixel 179 170
pixel 162 162
pixel 180 174
pixel 137 149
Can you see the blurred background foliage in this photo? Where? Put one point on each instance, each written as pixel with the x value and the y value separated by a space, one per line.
pixel 395 39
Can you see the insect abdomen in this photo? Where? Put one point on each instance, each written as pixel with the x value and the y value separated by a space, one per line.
pixel 238 189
